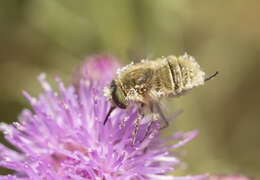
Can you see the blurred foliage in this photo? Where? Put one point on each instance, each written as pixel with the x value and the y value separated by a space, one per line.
pixel 54 36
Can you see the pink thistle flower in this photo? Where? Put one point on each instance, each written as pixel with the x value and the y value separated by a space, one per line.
pixel 63 138
pixel 97 69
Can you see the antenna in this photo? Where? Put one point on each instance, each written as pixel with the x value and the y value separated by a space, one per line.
pixel 212 76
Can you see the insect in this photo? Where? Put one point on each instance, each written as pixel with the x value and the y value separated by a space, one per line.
pixel 145 83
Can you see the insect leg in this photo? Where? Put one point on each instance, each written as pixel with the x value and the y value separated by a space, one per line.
pixel 140 115
pixel 162 116
pixel 150 123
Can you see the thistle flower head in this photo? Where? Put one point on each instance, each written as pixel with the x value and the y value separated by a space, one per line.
pixel 63 138
pixel 96 69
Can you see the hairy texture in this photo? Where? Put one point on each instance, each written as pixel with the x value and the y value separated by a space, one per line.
pixel 164 77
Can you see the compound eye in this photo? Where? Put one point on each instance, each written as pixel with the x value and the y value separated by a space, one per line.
pixel 118 96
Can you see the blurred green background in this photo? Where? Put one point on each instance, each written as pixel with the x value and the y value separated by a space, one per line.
pixel 53 36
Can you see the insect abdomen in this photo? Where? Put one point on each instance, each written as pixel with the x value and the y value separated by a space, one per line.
pixel 185 73
pixel 162 81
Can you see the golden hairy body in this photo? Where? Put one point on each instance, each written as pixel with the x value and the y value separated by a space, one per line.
pixel 146 82
pixel 164 77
